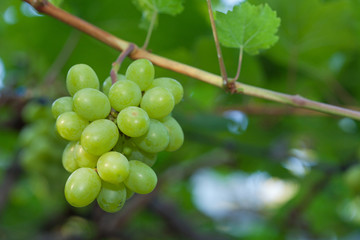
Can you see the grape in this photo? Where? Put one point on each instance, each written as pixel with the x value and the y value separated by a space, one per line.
pixel 352 178
pixel 129 193
pixel 123 94
pixel 28 135
pixel 142 72
pixel 81 76
pixel 120 144
pixel 111 197
pixel 83 158
pixel 133 121
pixel 82 187
pixel 70 126
pixel 145 157
pixel 155 140
pixel 176 134
pixel 68 157
pixel 113 167
pixel 171 85
pixel 99 137
pixel 158 102
pixel 61 105
pixel 91 104
pixel 35 110
pixel 108 83
pixel 142 179
pixel 31 162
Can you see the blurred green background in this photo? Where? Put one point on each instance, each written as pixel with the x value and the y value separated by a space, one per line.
pixel 249 168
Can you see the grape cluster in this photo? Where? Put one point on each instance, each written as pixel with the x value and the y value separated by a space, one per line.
pixel 115 134
pixel 39 142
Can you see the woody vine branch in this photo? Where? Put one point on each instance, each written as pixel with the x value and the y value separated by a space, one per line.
pixel 119 44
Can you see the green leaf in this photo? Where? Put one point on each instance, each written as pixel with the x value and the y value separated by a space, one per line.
pixel 250 27
pixel 151 7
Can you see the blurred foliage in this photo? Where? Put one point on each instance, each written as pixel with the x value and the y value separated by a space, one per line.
pixel 317 56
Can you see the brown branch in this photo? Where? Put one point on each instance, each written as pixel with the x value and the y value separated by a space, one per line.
pixel 119 44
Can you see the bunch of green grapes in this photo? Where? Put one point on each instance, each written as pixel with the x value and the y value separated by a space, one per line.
pixel 115 134
pixel 40 144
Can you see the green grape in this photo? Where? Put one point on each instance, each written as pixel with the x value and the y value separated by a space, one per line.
pixel 176 134
pixel 34 111
pixel 68 157
pixel 27 135
pixel 31 162
pixel 145 157
pixel 127 150
pixel 43 148
pixel 83 158
pixel 70 126
pixel 108 83
pixel 113 167
pixel 171 85
pixel 32 132
pixel 81 76
pixel 91 104
pixel 155 140
pixel 120 144
pixel 352 178
pixel 112 197
pixel 129 193
pixel 82 187
pixel 133 121
pixel 99 137
pixel 142 179
pixel 61 105
pixel 142 72
pixel 158 102
pixel 123 94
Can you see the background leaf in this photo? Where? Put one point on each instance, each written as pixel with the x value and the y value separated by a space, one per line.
pixel 250 27
pixel 151 7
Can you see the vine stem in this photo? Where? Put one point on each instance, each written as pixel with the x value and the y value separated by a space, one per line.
pixel 150 30
pixel 120 44
pixel 117 64
pixel 239 65
pixel 217 44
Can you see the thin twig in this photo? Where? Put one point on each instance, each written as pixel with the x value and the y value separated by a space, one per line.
pixel 239 66
pixel 217 44
pixel 150 30
pixel 210 78
pixel 117 64
pixel 61 59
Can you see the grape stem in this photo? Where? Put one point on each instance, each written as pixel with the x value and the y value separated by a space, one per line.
pixel 210 78
pixel 117 64
pixel 150 30
pixel 239 66
pixel 218 50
